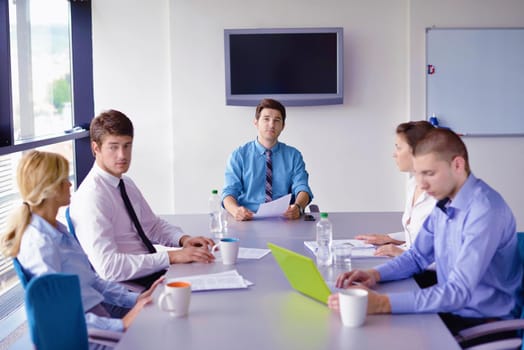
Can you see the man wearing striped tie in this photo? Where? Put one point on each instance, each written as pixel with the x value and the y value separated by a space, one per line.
pixel 265 169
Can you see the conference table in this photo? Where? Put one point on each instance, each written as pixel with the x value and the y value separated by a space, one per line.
pixel 270 314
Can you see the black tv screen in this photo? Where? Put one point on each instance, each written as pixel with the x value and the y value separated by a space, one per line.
pixel 297 66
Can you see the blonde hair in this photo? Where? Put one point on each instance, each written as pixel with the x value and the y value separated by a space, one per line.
pixel 39 175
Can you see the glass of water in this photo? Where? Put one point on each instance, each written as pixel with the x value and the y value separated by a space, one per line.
pixel 224 217
pixel 342 256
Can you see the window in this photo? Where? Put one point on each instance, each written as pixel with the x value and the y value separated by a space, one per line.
pixel 40 68
pixel 46 89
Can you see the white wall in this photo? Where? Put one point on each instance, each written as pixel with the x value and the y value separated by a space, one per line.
pixel 346 165
pixel 161 62
pixel 132 74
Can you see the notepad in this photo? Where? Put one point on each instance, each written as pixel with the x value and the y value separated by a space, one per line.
pixel 360 249
pixel 215 281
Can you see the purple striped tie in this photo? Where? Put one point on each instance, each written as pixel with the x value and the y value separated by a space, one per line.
pixel 269 177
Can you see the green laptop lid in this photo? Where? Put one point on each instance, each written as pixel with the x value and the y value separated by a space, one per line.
pixel 301 272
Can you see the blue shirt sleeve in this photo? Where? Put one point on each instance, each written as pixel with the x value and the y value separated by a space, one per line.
pixel 233 177
pixel 106 323
pixel 300 177
pixel 115 293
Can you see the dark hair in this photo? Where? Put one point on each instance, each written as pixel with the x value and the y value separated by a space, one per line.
pixel 413 132
pixel 273 104
pixel 445 144
pixel 111 122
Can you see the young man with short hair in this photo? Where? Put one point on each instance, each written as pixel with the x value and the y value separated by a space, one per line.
pixel 470 234
pixel 118 246
pixel 249 183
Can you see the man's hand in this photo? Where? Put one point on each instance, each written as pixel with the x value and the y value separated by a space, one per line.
pixel 292 212
pixel 190 254
pixel 200 241
pixel 242 214
pixel 388 250
pixel 366 278
pixel 377 303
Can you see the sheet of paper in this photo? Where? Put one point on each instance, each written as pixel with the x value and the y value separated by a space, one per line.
pixel 252 253
pixel 246 253
pixel 215 281
pixel 273 208
pixel 360 249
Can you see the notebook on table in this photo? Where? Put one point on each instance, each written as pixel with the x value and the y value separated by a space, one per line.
pixel 301 272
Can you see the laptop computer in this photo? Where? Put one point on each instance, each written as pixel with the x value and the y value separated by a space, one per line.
pixel 301 272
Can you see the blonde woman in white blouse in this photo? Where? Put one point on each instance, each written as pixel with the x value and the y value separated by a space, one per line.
pixel 418 203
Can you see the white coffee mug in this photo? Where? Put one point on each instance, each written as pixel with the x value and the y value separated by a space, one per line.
pixel 175 298
pixel 228 248
pixel 353 304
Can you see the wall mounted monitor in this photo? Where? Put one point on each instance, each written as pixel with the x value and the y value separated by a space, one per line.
pixel 297 66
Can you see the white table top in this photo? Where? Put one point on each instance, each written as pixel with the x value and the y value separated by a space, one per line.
pixel 270 314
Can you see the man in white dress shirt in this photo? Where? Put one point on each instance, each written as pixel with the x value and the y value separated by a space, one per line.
pixel 105 227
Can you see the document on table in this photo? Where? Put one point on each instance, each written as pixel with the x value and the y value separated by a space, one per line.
pixel 274 208
pixel 252 253
pixel 246 253
pixel 360 249
pixel 214 281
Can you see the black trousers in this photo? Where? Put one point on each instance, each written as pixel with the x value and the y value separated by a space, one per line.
pixel 426 279
pixel 147 281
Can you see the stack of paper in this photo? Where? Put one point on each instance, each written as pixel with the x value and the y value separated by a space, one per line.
pixel 252 253
pixel 360 249
pixel 214 281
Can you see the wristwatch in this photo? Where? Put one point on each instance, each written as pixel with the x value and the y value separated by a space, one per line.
pixel 300 209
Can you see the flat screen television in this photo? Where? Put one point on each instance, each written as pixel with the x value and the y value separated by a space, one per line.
pixel 297 66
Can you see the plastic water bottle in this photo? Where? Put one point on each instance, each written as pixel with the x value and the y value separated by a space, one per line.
pixel 214 213
pixel 324 241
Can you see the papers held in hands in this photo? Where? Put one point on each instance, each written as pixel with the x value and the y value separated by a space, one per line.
pixel 274 208
pixel 214 281
pixel 360 249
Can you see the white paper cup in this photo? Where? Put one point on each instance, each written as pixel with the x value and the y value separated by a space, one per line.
pixel 353 306
pixel 175 298
pixel 229 249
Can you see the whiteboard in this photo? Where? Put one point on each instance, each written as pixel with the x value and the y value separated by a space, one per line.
pixel 475 79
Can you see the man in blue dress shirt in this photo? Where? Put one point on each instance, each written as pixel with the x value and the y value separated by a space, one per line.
pixel 470 234
pixel 246 172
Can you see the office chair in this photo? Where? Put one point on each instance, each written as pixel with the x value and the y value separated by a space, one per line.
pixel 56 316
pixel 97 336
pixel 23 276
pixel 70 225
pixel 499 326
pixel 55 313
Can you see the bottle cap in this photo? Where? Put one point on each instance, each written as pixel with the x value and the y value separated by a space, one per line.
pixel 323 215
pixel 214 192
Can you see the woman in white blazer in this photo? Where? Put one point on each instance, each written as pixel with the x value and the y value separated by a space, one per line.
pixel 418 203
